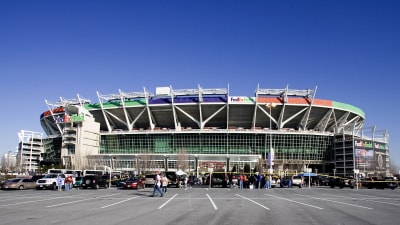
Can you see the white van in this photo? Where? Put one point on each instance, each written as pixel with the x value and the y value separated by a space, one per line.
pixel 297 181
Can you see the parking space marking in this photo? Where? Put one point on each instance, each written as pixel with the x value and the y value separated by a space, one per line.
pixel 119 202
pixel 377 197
pixel 294 201
pixel 254 202
pixel 387 203
pixel 325 199
pixel 23 196
pixel 165 203
pixel 71 202
pixel 212 202
pixel 38 200
pixel 368 199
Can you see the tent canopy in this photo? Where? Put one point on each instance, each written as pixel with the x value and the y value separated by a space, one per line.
pixel 180 173
pixel 306 174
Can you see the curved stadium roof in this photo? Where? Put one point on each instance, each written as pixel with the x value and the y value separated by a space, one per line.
pixel 203 109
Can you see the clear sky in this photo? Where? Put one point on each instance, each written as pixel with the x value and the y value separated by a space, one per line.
pixel 349 49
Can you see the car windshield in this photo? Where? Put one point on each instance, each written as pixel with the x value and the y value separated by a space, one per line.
pixel 14 180
pixel 50 175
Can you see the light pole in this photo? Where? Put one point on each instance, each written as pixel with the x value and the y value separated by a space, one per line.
pixel 271 156
pixel 356 172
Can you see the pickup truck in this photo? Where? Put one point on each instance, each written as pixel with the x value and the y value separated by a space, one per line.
pixel 49 181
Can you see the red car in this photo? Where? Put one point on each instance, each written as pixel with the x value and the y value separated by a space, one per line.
pixel 133 183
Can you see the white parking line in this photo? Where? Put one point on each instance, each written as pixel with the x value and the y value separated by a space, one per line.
pixel 324 199
pixel 37 200
pixel 67 203
pixel 212 202
pixel 165 203
pixel 387 203
pixel 254 202
pixel 295 201
pixel 119 202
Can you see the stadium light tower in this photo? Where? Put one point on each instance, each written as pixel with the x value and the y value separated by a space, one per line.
pixel 270 106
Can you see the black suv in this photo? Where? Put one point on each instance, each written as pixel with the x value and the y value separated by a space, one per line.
pixel 341 182
pixel 95 182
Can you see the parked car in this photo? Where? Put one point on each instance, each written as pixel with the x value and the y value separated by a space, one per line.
pixel 95 181
pixel 341 182
pixel 323 180
pixel 297 181
pixel 172 179
pixel 37 177
pixel 286 182
pixel 149 180
pixel 380 183
pixel 133 183
pixel 78 182
pixel 19 184
pixel 217 179
pixel 49 181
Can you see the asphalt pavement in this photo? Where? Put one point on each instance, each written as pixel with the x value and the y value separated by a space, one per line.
pixel 201 205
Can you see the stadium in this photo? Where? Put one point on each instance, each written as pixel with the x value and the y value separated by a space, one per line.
pixel 201 130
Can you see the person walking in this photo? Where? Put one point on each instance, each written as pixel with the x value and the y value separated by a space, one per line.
pixel 267 182
pixel 59 182
pixel 241 178
pixel 68 183
pixel 157 185
pixel 259 179
pixel 185 182
pixel 164 186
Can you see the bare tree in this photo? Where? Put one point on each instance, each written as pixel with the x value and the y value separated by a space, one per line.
pixel 182 160
pixel 4 164
pixel 394 168
pixel 146 163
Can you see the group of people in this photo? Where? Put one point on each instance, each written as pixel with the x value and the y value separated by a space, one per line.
pixel 67 182
pixel 260 181
pixel 160 184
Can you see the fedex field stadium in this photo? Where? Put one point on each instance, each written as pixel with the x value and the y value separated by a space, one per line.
pixel 199 130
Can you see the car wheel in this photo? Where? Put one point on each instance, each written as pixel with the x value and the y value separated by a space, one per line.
pixel 97 186
pixel 21 187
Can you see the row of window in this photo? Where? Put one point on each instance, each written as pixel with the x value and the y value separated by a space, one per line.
pixel 309 147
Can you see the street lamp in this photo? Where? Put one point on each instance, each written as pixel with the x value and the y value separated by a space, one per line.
pixel 271 156
pixel 356 172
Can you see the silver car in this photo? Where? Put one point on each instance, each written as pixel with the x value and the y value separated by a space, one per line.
pixel 297 181
pixel 19 184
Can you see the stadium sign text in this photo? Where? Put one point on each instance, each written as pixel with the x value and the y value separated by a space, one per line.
pixel 70 119
pixel 238 99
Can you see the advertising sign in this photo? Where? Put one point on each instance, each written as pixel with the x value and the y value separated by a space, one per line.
pixel 370 155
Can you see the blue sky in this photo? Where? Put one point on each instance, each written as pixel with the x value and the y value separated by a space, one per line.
pixel 51 49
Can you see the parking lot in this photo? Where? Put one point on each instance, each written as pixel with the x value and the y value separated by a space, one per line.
pixel 202 205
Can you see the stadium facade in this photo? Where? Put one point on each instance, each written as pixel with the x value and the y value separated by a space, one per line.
pixel 276 130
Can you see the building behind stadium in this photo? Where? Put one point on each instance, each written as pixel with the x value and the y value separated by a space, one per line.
pixel 277 131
